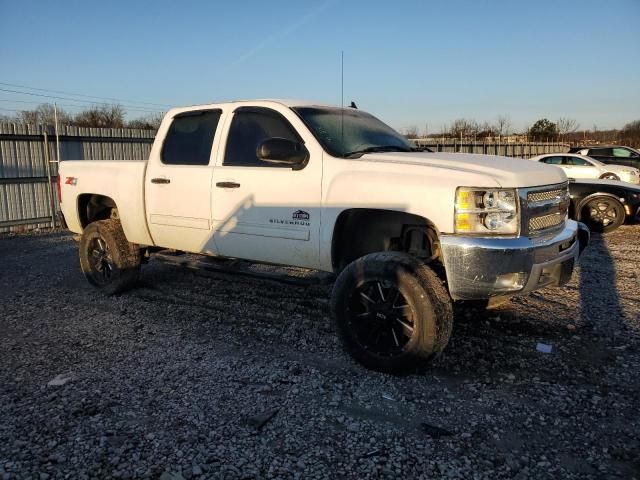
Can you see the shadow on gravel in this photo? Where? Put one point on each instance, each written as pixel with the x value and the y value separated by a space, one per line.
pixel 502 341
pixel 599 297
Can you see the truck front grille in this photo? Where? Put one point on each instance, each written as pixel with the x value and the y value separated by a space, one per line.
pixel 544 209
pixel 545 195
pixel 546 221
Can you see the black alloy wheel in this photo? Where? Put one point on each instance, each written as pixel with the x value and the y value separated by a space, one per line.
pixel 100 260
pixel 381 319
pixel 109 262
pixel 392 311
pixel 603 214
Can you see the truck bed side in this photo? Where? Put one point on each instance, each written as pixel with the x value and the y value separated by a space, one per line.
pixel 120 181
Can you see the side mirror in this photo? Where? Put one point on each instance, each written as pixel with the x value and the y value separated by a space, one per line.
pixel 283 152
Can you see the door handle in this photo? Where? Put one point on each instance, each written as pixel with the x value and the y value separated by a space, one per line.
pixel 160 180
pixel 227 185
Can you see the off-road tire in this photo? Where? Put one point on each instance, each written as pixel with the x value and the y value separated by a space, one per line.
pixel 597 225
pixel 124 258
pixel 426 298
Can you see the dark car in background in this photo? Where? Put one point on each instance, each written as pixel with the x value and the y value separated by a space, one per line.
pixel 612 154
pixel 604 205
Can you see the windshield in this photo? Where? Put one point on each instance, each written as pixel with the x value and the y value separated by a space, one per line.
pixel 347 132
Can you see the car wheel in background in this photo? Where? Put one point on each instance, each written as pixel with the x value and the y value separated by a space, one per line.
pixel 391 310
pixel 610 176
pixel 109 262
pixel 603 214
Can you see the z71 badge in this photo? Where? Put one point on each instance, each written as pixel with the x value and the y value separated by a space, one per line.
pixel 71 181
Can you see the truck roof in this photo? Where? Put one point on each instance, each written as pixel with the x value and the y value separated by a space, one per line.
pixel 257 103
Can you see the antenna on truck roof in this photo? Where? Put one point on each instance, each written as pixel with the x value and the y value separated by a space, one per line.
pixel 342 95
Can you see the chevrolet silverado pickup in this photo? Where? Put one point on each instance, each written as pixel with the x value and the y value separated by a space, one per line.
pixel 407 232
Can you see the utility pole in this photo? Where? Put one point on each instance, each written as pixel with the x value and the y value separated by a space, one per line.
pixel 55 116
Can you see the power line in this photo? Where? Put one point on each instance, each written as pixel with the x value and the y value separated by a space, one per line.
pixel 34 102
pixel 134 107
pixel 82 95
pixel 72 105
pixel 19 101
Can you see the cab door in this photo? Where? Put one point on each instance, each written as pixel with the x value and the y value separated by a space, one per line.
pixel 264 211
pixel 579 168
pixel 178 183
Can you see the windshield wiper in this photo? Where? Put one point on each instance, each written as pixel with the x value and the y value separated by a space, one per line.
pixel 378 148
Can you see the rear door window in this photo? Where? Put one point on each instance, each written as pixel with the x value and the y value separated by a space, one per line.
pixel 190 137
pixel 553 160
pixel 600 152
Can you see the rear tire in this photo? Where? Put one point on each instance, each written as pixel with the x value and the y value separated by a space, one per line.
pixel 391 310
pixel 603 214
pixel 109 262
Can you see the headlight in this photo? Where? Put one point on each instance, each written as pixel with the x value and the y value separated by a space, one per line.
pixel 487 211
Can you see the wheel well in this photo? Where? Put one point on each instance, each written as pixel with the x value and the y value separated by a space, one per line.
pixel 93 207
pixel 361 231
pixel 606 174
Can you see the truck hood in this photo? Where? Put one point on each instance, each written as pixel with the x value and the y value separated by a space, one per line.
pixel 507 172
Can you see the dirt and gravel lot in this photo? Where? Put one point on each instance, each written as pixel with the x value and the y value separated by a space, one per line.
pixel 212 375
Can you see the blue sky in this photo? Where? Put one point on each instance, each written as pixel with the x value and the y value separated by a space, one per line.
pixel 413 63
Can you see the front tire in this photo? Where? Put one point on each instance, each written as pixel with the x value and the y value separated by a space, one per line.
pixel 603 214
pixel 391 310
pixel 109 262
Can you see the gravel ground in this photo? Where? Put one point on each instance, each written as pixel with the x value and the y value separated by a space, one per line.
pixel 211 375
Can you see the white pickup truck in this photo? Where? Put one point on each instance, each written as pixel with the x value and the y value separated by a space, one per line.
pixel 334 189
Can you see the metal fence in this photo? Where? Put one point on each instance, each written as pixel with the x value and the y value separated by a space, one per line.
pixel 515 149
pixel 29 166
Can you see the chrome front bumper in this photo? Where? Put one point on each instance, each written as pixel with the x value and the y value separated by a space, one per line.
pixel 479 268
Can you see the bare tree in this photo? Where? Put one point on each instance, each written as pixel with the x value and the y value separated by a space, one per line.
pixel 486 130
pixel 43 115
pixel 104 116
pixel 631 132
pixel 566 125
pixel 150 122
pixel 463 127
pixel 502 126
pixel 411 132
pixel 632 128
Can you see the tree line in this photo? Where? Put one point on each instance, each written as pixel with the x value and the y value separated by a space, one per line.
pixel 99 116
pixel 564 129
